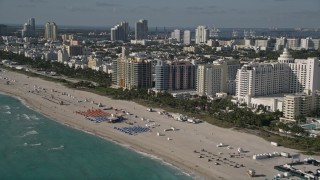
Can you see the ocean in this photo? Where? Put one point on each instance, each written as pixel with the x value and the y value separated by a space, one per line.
pixel 35 147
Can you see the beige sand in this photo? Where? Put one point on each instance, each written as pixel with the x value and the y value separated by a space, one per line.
pixel 178 151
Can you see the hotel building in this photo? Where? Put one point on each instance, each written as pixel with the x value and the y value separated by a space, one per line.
pixel 176 75
pixel 217 77
pixel 131 72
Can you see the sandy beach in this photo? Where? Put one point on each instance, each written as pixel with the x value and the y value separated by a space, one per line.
pixel 192 147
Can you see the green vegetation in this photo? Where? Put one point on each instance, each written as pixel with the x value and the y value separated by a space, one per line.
pixel 99 77
pixel 221 112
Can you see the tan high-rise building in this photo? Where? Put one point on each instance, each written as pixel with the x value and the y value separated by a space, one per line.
pixel 131 72
pixel 186 37
pixel 94 62
pixel 217 77
pixel 299 104
pixel 51 31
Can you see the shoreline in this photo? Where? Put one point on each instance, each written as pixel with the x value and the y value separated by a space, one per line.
pixel 191 148
pixel 144 152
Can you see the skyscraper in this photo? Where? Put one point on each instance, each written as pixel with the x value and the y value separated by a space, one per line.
pixel 177 75
pixel 51 31
pixel 177 35
pixel 63 55
pixel 131 72
pixel 32 24
pixel 141 29
pixel 217 77
pixel 288 75
pixel 3 30
pixel 202 34
pixel 186 37
pixel 120 32
pixel 29 28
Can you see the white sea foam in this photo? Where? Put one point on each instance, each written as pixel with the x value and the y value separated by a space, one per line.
pixel 7 112
pixel 162 161
pixel 56 148
pixel 35 144
pixel 34 117
pixel 88 132
pixel 26 116
pixel 33 132
pixel 6 107
pixel 30 127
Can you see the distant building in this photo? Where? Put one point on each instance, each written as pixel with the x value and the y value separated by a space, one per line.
pixel 263 44
pixel 32 23
pixel 63 55
pixel 223 43
pixel 212 43
pixel 176 75
pixel 67 37
pixel 310 43
pixel 51 55
pixel 51 31
pixel 202 34
pixel 120 32
pixel 280 43
pixel 315 44
pixel 186 37
pixel 176 35
pixel 293 43
pixel 141 29
pixel 94 62
pixel 29 28
pixel 74 50
pixel 192 49
pixel 3 30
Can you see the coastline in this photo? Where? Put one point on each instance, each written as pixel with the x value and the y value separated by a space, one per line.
pixel 143 151
pixel 183 149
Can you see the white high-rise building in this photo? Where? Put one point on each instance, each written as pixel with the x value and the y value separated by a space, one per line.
pixel 51 31
pixel 202 34
pixel 315 44
pixel 186 37
pixel 293 43
pixel 261 79
pixel 304 75
pixel 310 43
pixel 286 76
pixel 305 43
pixel 263 44
pixel 280 43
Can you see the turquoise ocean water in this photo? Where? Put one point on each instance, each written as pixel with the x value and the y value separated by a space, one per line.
pixel 35 147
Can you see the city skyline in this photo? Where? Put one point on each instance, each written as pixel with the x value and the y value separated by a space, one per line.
pixel 178 13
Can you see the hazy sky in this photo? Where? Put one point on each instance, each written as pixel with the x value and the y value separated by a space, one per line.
pixel 173 13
